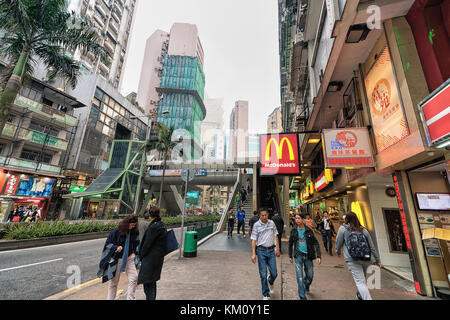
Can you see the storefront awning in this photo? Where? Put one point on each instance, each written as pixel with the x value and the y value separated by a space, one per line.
pixel 101 185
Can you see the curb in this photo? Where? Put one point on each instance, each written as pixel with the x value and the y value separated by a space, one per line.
pixel 42 242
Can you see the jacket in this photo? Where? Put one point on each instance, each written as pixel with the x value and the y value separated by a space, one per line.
pixel 312 244
pixel 152 252
pixel 279 223
pixel 321 227
pixel 341 240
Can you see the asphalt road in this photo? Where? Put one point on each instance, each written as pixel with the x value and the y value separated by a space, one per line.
pixel 37 273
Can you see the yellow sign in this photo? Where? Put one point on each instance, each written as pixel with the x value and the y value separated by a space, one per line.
pixel 356 208
pixel 328 176
pixel 279 148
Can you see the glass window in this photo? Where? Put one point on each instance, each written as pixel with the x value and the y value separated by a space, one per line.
pixel 99 94
pixel 395 230
pixel 122 111
pixel 102 117
pixel 105 130
pixel 99 127
pixel 109 112
pixel 106 99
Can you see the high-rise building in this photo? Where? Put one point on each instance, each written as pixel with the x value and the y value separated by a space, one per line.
pixel 239 130
pixel 274 123
pixel 172 81
pixel 211 128
pixel 114 18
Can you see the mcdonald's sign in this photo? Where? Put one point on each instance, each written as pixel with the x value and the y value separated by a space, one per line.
pixel 279 154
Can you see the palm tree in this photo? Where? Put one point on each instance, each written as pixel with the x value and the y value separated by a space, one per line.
pixel 41 31
pixel 164 145
pixel 214 199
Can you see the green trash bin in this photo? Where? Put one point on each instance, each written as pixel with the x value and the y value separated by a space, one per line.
pixel 190 244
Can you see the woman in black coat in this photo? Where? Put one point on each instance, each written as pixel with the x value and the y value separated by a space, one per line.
pixel 152 252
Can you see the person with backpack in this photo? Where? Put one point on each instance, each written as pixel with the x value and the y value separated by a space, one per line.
pixel 151 253
pixel 240 217
pixel 359 252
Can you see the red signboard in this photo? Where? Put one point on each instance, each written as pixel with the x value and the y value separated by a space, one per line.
pixel 436 114
pixel 12 184
pixel 3 178
pixel 279 154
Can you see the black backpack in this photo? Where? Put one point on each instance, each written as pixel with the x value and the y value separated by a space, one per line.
pixel 358 246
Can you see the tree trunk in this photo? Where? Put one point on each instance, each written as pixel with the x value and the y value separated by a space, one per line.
pixel 162 181
pixel 11 90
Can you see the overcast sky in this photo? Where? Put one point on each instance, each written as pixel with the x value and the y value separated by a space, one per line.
pixel 240 42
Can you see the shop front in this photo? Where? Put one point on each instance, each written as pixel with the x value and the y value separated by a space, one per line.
pixel 22 190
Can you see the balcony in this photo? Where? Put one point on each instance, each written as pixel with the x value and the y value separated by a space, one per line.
pixel 29 165
pixel 110 47
pixel 99 20
pixel 48 112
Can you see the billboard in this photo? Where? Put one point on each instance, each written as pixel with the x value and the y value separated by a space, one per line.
pixel 386 110
pixel 435 113
pixel 279 154
pixel 347 148
pixel 34 186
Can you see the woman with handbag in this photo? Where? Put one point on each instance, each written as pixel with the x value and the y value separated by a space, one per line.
pixel 359 252
pixel 152 252
pixel 119 256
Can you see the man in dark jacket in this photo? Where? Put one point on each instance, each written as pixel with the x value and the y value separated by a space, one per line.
pixel 327 229
pixel 152 252
pixel 306 247
pixel 280 225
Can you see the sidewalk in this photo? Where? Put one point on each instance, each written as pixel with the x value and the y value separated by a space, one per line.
pixel 223 270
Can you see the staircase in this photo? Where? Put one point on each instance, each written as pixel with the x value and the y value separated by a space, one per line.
pixel 248 208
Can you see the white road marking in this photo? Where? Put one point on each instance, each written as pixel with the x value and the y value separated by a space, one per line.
pixel 31 265
pixel 52 246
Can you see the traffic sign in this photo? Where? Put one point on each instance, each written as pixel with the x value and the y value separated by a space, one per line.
pixel 187 174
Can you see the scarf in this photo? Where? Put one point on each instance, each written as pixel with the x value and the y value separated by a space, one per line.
pixel 125 253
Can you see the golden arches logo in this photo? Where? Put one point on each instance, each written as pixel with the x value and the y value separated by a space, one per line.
pixel 279 148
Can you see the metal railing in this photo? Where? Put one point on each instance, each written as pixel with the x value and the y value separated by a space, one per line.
pixel 222 223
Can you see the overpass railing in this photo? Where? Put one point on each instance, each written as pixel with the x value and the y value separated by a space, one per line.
pixel 222 223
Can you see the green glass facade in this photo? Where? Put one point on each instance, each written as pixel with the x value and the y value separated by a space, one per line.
pixel 185 111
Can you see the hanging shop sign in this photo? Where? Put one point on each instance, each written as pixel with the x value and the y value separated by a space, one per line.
pixel 435 114
pixel 279 154
pixel 324 179
pixel 347 148
pixel 386 111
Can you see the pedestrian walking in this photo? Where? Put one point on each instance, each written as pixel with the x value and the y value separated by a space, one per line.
pixel 153 250
pixel 143 225
pixel 231 221
pixel 264 241
pixel 359 252
pixel 303 249
pixel 238 200
pixel 119 255
pixel 327 229
pixel 240 217
pixel 252 222
pixel 309 222
pixel 249 186
pixel 243 194
pixel 279 223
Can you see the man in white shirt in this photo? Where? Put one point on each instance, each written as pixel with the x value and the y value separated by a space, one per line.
pixel 264 241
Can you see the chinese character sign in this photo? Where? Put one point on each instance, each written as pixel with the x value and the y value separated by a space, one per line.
pixel 347 148
pixel 388 120
pixel 279 154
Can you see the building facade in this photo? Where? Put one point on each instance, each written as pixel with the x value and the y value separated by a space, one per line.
pixel 352 69
pixel 34 147
pixel 114 19
pixel 172 82
pixel 274 123
pixel 239 131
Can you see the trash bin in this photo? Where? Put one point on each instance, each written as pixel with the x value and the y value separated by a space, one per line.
pixel 190 244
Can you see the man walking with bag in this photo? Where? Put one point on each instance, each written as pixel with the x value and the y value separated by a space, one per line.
pixel 264 241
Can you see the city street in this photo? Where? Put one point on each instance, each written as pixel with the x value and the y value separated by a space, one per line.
pixel 37 273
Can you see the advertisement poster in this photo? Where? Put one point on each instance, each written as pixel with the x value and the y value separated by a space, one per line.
pixel 279 154
pixel 35 187
pixel 3 177
pixel 388 119
pixel 347 148
pixel 11 185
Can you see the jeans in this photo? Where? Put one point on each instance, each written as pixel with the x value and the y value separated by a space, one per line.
pixel 266 260
pixel 358 270
pixel 150 290
pixel 327 242
pixel 230 228
pixel 241 224
pixel 303 282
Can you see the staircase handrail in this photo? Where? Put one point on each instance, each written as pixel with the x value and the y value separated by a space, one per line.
pixel 222 225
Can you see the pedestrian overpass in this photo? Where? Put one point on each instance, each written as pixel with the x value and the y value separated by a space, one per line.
pixel 133 176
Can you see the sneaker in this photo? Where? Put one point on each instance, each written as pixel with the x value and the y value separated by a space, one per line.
pixel 270 286
pixel 266 298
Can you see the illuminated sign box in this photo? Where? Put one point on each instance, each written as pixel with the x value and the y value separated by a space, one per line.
pixel 279 154
pixel 435 113
pixel 347 148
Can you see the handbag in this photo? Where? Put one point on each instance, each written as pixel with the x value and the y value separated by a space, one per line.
pixel 172 243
